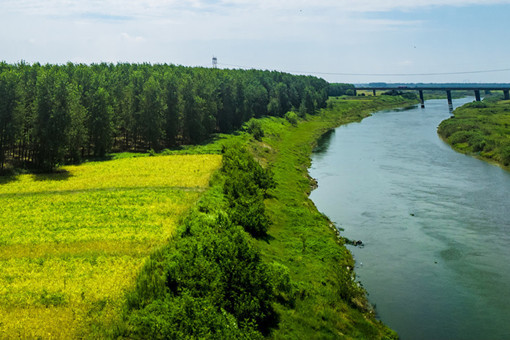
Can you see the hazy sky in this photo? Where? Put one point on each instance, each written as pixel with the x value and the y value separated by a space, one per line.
pixel 326 38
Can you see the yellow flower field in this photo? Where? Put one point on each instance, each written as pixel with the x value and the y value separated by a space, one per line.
pixel 72 243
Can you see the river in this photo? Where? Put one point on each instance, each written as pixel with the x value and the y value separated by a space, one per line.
pixel 435 223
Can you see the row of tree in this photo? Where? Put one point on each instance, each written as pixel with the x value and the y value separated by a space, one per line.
pixel 54 114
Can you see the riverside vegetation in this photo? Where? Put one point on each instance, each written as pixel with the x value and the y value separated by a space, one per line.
pixel 481 129
pixel 251 258
pixel 291 280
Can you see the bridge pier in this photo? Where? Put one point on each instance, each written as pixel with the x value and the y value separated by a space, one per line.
pixel 449 96
pixel 422 101
pixel 477 95
pixel 506 93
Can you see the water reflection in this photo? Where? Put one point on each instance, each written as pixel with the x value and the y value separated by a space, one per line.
pixel 323 143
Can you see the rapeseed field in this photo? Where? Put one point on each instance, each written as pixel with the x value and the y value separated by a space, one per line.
pixel 72 242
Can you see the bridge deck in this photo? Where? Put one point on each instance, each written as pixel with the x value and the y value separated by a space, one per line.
pixel 481 88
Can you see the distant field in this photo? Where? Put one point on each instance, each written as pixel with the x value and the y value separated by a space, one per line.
pixel 71 243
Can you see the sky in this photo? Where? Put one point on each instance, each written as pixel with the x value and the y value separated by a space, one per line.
pixel 353 41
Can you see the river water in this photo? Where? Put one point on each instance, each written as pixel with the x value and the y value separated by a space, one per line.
pixel 435 223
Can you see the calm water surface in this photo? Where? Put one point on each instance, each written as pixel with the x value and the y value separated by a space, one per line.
pixel 435 223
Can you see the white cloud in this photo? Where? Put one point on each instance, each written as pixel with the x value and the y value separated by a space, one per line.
pixel 323 35
pixel 162 8
pixel 129 38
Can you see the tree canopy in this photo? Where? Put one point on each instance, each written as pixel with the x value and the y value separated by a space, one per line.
pixel 55 114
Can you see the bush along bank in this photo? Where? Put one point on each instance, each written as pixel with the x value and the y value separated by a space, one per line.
pixel 255 258
pixel 481 129
pixel 210 281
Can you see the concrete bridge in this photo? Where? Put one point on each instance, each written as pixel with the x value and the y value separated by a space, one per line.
pixel 448 89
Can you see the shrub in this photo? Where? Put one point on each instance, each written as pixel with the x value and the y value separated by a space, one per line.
pixel 249 212
pixel 254 127
pixel 477 142
pixel 283 289
pixel 246 184
pixel 448 127
pixel 291 117
pixel 477 105
pixel 409 95
pixel 460 137
pixel 505 154
pixel 210 282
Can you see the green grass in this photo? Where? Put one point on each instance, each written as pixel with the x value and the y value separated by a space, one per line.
pixel 302 239
pixel 481 129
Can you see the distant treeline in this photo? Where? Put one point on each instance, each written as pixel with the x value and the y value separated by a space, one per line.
pixel 54 114
pixel 339 89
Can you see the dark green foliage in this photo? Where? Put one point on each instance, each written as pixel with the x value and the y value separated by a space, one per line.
pixel 337 89
pixel 249 212
pixel 216 262
pixel 409 95
pixel 210 282
pixel 59 120
pixel 460 137
pixel 186 317
pixel 392 93
pixel 291 117
pixel 477 105
pixel 8 100
pixel 246 184
pixel 152 112
pixel 91 110
pixel 505 154
pixel 100 122
pixel 255 128
pixel 237 159
pixel 403 94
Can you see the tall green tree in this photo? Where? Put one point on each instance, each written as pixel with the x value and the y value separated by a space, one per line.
pixel 8 103
pixel 171 114
pixel 152 112
pixel 57 113
pixel 100 122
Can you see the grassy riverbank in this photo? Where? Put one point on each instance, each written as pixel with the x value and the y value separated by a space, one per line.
pixel 330 305
pixel 481 129
pixel 303 262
